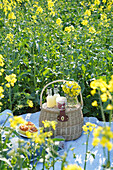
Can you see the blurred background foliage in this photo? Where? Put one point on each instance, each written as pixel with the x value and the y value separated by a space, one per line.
pixel 46 40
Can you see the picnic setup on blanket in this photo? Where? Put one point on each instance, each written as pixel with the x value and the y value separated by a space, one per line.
pixel 67 112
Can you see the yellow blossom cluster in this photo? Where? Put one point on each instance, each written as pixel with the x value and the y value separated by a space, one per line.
pixel 92 30
pixel 1 61
pixel 72 167
pixel 84 22
pixel 69 29
pixel 16 120
pixel 87 12
pixel 11 79
pixel 58 21
pixel 88 127
pixel 71 88
pixel 103 136
pixel 106 90
pixel 1 92
pixel 50 7
pixel 30 103
pixel 49 124
pixel 10 37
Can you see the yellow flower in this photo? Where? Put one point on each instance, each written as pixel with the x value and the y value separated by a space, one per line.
pixel 58 21
pixel 93 91
pixel 46 123
pixel 84 22
pixel 69 29
pixel 104 1
pixel 72 167
pixel 1 61
pixel 110 85
pixel 11 15
pixel 92 30
pixel 9 36
pixel 109 107
pixel 28 134
pixel 8 85
pixel 39 10
pixel 103 97
pixel 103 141
pixel 97 2
pixel 11 79
pixel 52 13
pixel 2 70
pixel 109 145
pixel 94 103
pixel 95 141
pixel 30 103
pixel 97 131
pixel 53 124
pixel 16 120
pixel 50 3
pixel 88 127
pixel 88 12
pixel 103 17
pixel 1 89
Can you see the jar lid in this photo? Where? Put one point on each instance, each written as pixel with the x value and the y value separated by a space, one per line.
pixel 61 99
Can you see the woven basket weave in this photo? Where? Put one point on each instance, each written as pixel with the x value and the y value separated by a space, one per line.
pixel 71 129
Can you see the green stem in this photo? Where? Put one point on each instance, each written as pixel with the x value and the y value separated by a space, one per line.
pixel 108 162
pixel 53 163
pixel 102 111
pixel 6 120
pixel 10 98
pixel 86 151
pixel 104 152
pixel 43 159
pixel 110 115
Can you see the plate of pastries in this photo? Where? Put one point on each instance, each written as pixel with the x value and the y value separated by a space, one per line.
pixel 28 126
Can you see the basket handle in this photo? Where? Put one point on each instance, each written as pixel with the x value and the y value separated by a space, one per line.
pixel 56 82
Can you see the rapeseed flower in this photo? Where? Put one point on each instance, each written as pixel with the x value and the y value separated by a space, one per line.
pixel 103 136
pixel 88 127
pixel 109 107
pixel 94 103
pixel 87 12
pixel 30 103
pixel 16 120
pixel 97 2
pixel 11 79
pixel 39 10
pixel 72 167
pixel 10 37
pixel 92 30
pixel 103 97
pixel 84 22
pixel 58 21
pixel 48 124
pixel 11 15
pixel 1 92
pixel 1 61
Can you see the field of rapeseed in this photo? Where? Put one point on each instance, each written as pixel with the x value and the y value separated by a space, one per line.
pixel 45 40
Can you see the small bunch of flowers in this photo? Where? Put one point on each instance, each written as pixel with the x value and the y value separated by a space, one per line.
pixel 88 127
pixel 49 123
pixel 11 79
pixel 71 88
pixel 105 89
pixel 16 120
pixel 103 136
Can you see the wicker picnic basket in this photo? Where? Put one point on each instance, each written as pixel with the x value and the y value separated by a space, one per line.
pixel 71 128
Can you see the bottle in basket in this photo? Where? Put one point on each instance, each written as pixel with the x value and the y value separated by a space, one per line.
pixel 56 94
pixel 50 98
